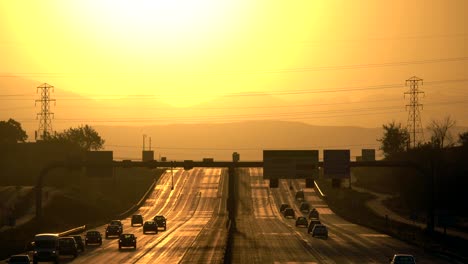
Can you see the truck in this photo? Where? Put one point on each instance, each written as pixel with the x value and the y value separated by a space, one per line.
pixel 46 248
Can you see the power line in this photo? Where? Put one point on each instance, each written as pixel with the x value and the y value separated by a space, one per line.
pixel 248 94
pixel 304 69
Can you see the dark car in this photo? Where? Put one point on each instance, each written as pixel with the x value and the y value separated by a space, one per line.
pixel 79 242
pixel 302 221
pixel 312 223
pixel 300 195
pixel 403 259
pixel 313 214
pixel 304 207
pixel 19 259
pixel 127 240
pixel 67 246
pixel 289 213
pixel 320 230
pixel 113 230
pixel 150 226
pixel 137 220
pixel 283 206
pixel 118 223
pixel 160 221
pixel 93 237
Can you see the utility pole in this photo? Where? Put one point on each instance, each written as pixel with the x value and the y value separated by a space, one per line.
pixel 414 116
pixel 144 139
pixel 45 116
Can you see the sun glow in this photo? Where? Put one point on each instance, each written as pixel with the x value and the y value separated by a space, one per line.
pixel 171 49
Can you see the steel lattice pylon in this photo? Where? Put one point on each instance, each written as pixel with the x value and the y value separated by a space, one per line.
pixel 414 116
pixel 45 116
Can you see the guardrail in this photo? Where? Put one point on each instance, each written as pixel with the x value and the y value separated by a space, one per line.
pixel 73 231
pixel 318 188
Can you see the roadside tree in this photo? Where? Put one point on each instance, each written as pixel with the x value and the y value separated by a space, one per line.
pixel 394 140
pixel 85 137
pixel 11 132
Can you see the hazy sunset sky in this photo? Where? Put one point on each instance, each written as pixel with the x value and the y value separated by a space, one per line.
pixel 189 51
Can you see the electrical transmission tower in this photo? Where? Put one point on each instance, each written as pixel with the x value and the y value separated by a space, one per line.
pixel 414 116
pixel 45 116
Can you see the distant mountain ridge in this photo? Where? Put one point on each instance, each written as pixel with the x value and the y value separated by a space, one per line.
pixel 249 138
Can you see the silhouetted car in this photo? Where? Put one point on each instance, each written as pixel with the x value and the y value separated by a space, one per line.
pixel 403 259
pixel 304 207
pixel 312 223
pixel 79 242
pixel 93 237
pixel 313 214
pixel 113 230
pixel 67 246
pixel 289 213
pixel 150 226
pixel 160 221
pixel 137 219
pixel 302 221
pixel 283 206
pixel 127 240
pixel 19 259
pixel 300 195
pixel 320 230
pixel 117 222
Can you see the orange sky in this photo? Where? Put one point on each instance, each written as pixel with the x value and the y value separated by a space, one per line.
pixel 190 51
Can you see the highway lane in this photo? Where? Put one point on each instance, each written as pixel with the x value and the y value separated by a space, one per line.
pixel 196 223
pixel 265 236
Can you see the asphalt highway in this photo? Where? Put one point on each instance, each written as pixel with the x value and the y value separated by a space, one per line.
pixel 196 223
pixel 197 226
pixel 265 236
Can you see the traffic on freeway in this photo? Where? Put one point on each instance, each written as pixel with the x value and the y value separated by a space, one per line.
pixel 196 227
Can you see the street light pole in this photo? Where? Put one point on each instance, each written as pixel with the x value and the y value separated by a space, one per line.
pixel 172 177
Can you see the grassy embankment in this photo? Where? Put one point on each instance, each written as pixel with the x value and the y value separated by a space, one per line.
pixel 79 201
pixel 351 205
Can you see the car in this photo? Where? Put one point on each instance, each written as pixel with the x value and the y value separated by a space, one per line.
pixel 137 219
pixel 300 195
pixel 79 242
pixel 150 226
pixel 289 213
pixel 304 207
pixel 312 223
pixel 320 230
pixel 302 221
pixel 284 206
pixel 127 240
pixel 113 230
pixel 46 247
pixel 118 223
pixel 19 259
pixel 93 237
pixel 403 259
pixel 67 246
pixel 160 221
pixel 314 214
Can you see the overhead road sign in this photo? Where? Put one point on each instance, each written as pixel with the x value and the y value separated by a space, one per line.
pixel 147 155
pixel 336 163
pixel 368 154
pixel 290 164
